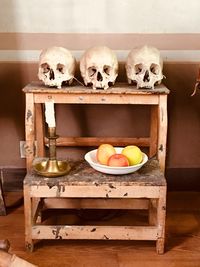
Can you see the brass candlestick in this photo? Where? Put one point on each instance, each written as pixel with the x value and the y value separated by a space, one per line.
pixel 52 167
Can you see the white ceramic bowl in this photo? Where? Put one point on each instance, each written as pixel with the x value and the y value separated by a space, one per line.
pixel 90 157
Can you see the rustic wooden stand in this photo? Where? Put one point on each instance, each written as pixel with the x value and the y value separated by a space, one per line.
pixel 86 188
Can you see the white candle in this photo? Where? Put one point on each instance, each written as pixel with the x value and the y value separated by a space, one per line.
pixel 50 114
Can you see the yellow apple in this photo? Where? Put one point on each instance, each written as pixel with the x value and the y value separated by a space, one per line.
pixel 133 153
pixel 104 152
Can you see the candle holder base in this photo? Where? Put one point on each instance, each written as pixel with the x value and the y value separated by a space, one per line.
pixel 52 168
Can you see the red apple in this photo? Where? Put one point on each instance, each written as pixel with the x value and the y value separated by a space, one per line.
pixel 118 160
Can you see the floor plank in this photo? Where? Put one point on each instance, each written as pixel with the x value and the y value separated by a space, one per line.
pixel 182 245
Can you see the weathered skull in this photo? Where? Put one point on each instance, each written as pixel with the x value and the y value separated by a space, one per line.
pixel 99 67
pixel 56 66
pixel 144 67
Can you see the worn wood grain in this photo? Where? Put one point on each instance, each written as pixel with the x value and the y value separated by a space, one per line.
pixel 96 141
pixel 118 88
pixel 2 201
pixel 83 182
pixel 82 174
pixel 182 244
pixel 95 232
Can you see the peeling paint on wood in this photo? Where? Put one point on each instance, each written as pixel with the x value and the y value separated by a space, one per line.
pixel 29 115
pixel 56 232
pixel 111 186
pixel 2 202
pixel 84 183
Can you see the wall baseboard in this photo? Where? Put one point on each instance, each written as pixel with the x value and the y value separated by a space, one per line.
pixel 183 179
pixel 178 179
pixel 12 179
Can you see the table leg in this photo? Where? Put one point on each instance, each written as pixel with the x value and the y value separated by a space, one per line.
pixel 2 201
pixel 153 131
pixel 161 218
pixel 162 130
pixel 30 130
pixel 28 219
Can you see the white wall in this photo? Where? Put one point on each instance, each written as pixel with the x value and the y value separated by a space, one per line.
pixel 89 16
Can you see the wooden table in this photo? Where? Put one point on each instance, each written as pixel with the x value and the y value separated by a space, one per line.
pixel 84 187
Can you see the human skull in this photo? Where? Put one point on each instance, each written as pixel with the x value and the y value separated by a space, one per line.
pixel 144 67
pixel 99 67
pixel 56 66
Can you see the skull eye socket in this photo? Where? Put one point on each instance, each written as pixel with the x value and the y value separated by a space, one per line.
pixel 92 71
pixel 107 70
pixel 154 68
pixel 138 68
pixel 45 67
pixel 60 68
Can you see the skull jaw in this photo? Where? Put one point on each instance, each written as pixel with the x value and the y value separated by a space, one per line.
pixel 96 86
pixel 100 85
pixel 58 82
pixel 52 83
pixel 140 84
pixel 103 85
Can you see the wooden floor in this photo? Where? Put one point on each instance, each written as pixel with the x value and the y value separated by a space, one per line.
pixel 182 247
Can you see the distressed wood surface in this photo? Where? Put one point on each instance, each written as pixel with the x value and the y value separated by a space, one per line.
pixel 29 130
pixel 95 232
pixel 83 182
pixel 96 141
pixel 182 243
pixel 93 191
pixel 120 93
pixel 118 88
pixel 162 130
pixel 82 174
pixel 36 186
pixel 95 203
pixel 2 202
pixel 153 142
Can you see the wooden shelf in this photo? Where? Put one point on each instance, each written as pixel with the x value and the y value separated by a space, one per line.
pixel 84 187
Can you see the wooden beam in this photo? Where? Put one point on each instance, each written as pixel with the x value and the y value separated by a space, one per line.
pixel 88 203
pixel 103 191
pixel 96 141
pixel 94 232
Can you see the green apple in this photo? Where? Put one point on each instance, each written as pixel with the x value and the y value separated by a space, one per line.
pixel 133 153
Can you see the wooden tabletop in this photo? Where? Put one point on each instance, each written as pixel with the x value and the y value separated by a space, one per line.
pixel 83 175
pixel 75 88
